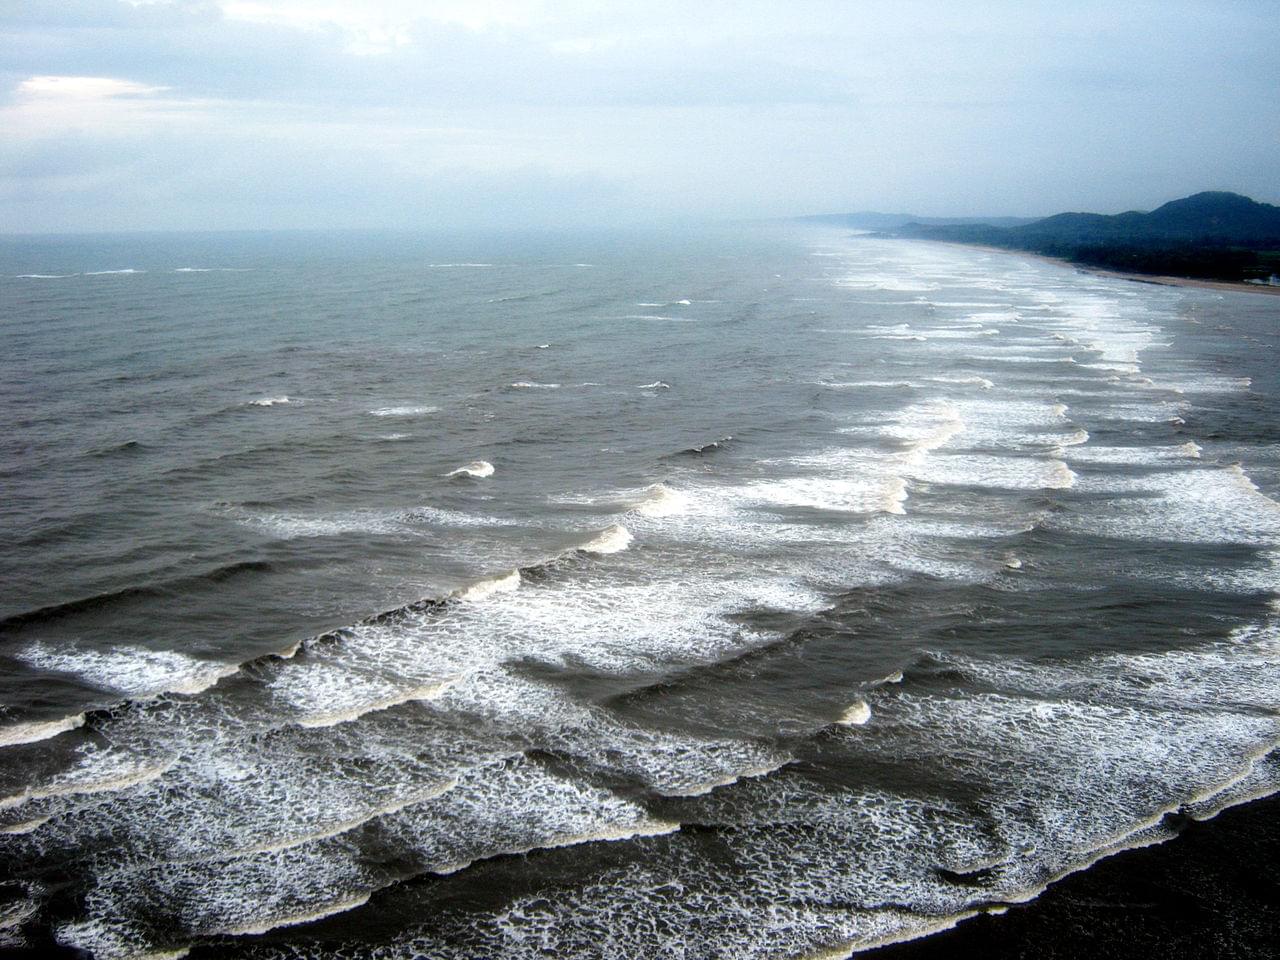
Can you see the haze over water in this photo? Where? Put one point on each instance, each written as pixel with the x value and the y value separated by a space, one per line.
pixel 743 594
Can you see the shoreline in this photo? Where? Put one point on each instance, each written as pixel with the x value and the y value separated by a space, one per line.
pixel 1158 280
pixel 1213 890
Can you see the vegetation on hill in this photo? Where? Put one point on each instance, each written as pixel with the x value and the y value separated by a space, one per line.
pixel 1213 235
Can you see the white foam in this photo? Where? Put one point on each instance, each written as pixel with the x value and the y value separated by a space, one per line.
pixel 1191 504
pixel 269 401
pixel 614 539
pixel 289 526
pixel 656 385
pixel 531 385
pixel 659 500
pixel 103 273
pixel 484 589
pixel 406 411
pixel 347 701
pixel 45 276
pixel 14 733
pixel 856 714
pixel 477 468
pixel 131 671
pixel 981 382
pixel 95 771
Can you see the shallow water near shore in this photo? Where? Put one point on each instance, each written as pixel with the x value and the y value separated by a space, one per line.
pixel 775 593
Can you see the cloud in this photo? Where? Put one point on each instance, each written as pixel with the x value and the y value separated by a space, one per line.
pixel 404 110
pixel 83 88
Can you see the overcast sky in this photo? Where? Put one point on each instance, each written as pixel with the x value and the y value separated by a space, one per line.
pixel 176 114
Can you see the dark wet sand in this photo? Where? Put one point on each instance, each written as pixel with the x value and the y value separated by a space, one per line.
pixel 1213 891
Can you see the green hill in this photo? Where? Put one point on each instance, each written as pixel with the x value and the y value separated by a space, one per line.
pixel 1212 235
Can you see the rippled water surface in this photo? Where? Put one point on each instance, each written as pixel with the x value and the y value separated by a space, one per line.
pixel 758 594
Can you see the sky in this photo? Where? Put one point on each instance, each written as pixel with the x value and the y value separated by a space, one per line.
pixel 485 114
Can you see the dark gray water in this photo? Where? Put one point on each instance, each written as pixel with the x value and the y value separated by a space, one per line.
pixel 765 594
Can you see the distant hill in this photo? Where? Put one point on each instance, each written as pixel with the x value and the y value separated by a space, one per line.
pixel 868 220
pixel 1212 235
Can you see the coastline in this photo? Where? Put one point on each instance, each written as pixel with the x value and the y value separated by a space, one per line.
pixel 1154 279
pixel 1211 891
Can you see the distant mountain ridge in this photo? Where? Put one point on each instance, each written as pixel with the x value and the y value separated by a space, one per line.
pixel 870 220
pixel 1210 235
pixel 1209 217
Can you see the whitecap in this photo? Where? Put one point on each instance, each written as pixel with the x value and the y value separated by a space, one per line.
pixel 131 671
pixel 981 382
pixel 613 539
pixel 476 468
pixel 483 589
pixel 856 714
pixel 337 711
pixel 659 500
pixel 532 385
pixel 403 411
pixel 15 733
pixel 269 401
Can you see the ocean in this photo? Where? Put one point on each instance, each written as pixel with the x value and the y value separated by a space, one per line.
pixel 763 592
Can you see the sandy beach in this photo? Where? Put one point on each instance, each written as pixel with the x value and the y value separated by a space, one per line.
pixel 1163 281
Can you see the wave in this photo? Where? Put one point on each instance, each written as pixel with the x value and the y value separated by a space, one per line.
pixel 406 411
pixel 659 500
pixel 484 589
pixel 335 715
pixel 101 772
pixel 70 608
pixel 44 276
pixel 476 468
pixel 659 316
pixel 981 382
pixel 15 733
pixel 532 385
pixel 613 539
pixel 704 787
pixel 269 401
pixel 459 265
pixel 656 385
pixel 873 493
pixel 856 714
pixel 131 672
pixel 872 384
pixel 290 526
pixel 706 448
pixel 340 905
pixel 105 273
pixel 336 828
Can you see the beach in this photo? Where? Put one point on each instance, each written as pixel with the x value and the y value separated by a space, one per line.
pixel 1211 892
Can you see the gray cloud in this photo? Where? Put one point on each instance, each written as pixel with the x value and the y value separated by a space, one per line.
pixel 265 114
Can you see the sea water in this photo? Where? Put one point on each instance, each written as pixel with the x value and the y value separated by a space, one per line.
pixel 762 592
